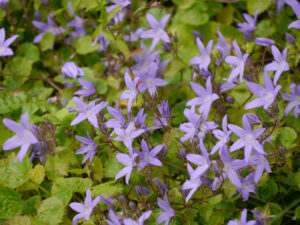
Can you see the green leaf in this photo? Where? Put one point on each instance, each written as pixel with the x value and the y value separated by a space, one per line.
pixel 14 174
pixel 260 6
pixel 29 206
pixel 297 212
pixel 265 28
pixel 10 203
pixel 226 15
pixel 50 212
pixel 112 167
pixel 83 45
pixel 229 188
pixel 269 190
pixel 2 14
pixel 18 220
pixel 47 41
pixel 193 16
pixel 37 174
pixel 215 200
pixel 287 136
pixel 16 72
pixel 206 211
pixel 29 51
pixel 107 189
pixel 56 167
pixel 101 86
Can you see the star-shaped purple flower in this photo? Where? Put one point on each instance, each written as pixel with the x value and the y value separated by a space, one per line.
pixel 243 220
pixel 157 32
pixel 148 157
pixel 87 111
pixel 294 99
pixel 24 136
pixel 279 65
pixel 191 184
pixel 248 138
pixel 114 220
pixel 70 69
pixel 238 63
pixel 205 97
pixel 223 47
pixel 128 162
pixel 88 88
pixel 4 44
pixel 202 61
pixel 130 94
pixel 88 146
pixel 249 26
pixel 266 95
pixel 294 4
pixel 247 187
pixel 84 210
pixel 167 213
pixel 141 220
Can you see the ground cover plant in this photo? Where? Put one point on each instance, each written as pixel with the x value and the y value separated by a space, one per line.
pixel 149 112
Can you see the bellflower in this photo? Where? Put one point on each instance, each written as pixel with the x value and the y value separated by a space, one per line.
pixel 279 65
pixel 130 94
pixel 248 138
pixel 84 210
pixel 114 220
pixel 150 82
pixel 264 41
pixel 157 32
pixel 191 184
pixel 119 16
pixel 127 135
pixel 223 47
pixel 141 220
pixel 294 99
pixel 70 69
pixel 243 220
pixel 164 111
pixel 87 111
pixel 140 119
pixel 222 136
pixel 294 4
pixel 88 88
pixel 202 61
pixel 3 3
pixel 76 23
pixel 132 37
pixel 202 161
pixel 148 157
pixel 295 24
pixel 88 146
pixel 167 213
pixel 102 41
pixel 118 120
pixel 238 63
pixel 4 44
pixel 24 136
pixel 249 26
pixel 205 97
pixel 247 187
pixel 128 162
pixel 266 96
pixel 46 28
pixel 261 163
pixel 290 38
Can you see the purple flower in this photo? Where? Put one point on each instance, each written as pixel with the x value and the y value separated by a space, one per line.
pixel 114 220
pixel 261 163
pixel 148 157
pixel 294 4
pixel 202 161
pixel 134 36
pixel 295 24
pixel 127 135
pixel 4 44
pixel 3 3
pixel 131 93
pixel 164 111
pixel 222 136
pixel 249 26
pixel 88 146
pixel 157 32
pixel 279 65
pixel 70 69
pixel 118 120
pixel 87 111
pixel 248 138
pixel 290 38
pixel 150 81
pixel 24 136
pixel 264 41
pixel 192 184
pixel 87 88
pixel 107 201
pixel 128 162
pixel 84 210
pixel 202 61
pixel 119 16
pixel 266 95
pixel 294 99
pixel 167 213
pixel 205 97
pixel 238 63
pixel 46 28
pixel 76 23
pixel 223 47
pixel 243 220
pixel 247 187
pixel 142 218
pixel 102 41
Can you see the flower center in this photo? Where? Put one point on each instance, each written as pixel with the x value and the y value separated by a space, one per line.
pixel 269 96
pixel 149 82
pixel 90 112
pixel 25 136
pixel 249 138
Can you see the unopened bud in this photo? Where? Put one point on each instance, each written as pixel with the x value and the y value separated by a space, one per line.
pixel 182 153
pixel 197 34
pixel 229 99
pixel 289 38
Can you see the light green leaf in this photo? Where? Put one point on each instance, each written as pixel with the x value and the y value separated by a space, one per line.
pixel 83 45
pixel 47 41
pixel 287 136
pixel 10 203
pixel 18 220
pixel 107 189
pixel 260 6
pixel 29 51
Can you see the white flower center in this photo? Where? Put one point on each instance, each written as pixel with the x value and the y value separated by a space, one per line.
pixel 207 98
pixel 147 157
pixel 226 167
pixel 149 82
pixel 1 49
pixel 269 96
pixel 25 136
pixel 249 138
pixel 90 112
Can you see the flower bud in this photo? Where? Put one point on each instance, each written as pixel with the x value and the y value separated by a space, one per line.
pixel 229 99
pixel 182 153
pixel 289 38
pixel 196 34
pixel 167 47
